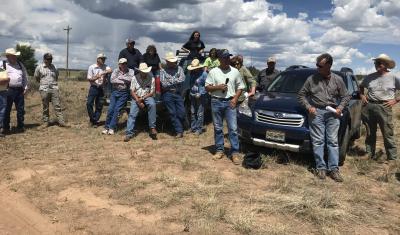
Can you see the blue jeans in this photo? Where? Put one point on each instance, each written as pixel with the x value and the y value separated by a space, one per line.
pixel 95 97
pixel 151 113
pixel 3 105
pixel 221 109
pixel 197 112
pixel 176 109
pixel 117 102
pixel 16 96
pixel 324 128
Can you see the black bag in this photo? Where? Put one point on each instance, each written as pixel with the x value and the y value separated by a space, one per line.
pixel 252 160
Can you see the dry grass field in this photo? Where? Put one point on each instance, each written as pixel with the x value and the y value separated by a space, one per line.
pixel 77 181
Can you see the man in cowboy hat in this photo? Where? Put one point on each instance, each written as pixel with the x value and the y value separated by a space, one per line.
pixel 131 54
pixel 378 102
pixel 172 79
pixel 198 93
pixel 266 75
pixel 17 87
pixel 97 74
pixel 142 92
pixel 47 75
pixel 4 79
pixel 225 86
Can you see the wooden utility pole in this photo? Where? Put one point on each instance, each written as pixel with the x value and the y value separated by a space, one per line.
pixel 67 71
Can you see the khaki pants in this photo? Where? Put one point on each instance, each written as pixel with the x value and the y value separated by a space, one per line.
pixel 52 96
pixel 378 114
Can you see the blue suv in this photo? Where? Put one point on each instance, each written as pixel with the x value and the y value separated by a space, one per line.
pixel 275 119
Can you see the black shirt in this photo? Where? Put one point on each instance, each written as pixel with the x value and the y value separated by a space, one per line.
pixel 134 58
pixel 194 47
pixel 152 61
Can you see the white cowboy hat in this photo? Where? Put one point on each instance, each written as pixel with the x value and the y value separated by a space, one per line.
pixel 101 55
pixel 122 61
pixel 144 68
pixel 387 60
pixel 12 51
pixel 170 57
pixel 195 65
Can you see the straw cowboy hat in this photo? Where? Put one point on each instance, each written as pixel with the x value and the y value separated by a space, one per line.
pixel 387 60
pixel 195 65
pixel 170 57
pixel 144 68
pixel 12 51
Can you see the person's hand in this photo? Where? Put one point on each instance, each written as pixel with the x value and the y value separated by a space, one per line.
pixel 390 103
pixel 250 94
pixel 338 112
pixel 312 111
pixel 222 87
pixel 233 103
pixel 140 104
pixel 364 99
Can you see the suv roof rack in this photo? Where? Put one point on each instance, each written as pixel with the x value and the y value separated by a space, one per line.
pixel 293 67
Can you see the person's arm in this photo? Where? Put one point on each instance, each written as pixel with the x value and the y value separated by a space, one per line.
pixel 152 89
pixel 24 78
pixel 211 86
pixel 186 46
pixel 303 94
pixel 36 74
pixel 202 47
pixel 181 75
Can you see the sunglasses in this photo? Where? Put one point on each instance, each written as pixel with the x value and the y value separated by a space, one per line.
pixel 378 63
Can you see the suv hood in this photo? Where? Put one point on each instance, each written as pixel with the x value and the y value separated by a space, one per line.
pixel 282 102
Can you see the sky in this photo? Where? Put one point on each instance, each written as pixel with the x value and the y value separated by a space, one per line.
pixel 293 31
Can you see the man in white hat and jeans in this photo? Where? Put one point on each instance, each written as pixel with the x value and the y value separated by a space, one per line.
pixel 97 77
pixel 17 88
pixel 4 79
pixel 47 76
pixel 121 81
pixel 142 91
pixel 378 102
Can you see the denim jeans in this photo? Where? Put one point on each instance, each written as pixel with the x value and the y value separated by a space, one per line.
pixel 117 102
pixel 197 112
pixel 221 109
pixel 16 96
pixel 151 113
pixel 3 105
pixel 176 109
pixel 324 129
pixel 53 96
pixel 95 97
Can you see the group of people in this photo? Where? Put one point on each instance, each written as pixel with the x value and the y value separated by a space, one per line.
pixel 224 78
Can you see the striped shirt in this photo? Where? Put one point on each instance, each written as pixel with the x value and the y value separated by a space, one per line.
pixel 172 78
pixel 47 76
pixel 120 80
pixel 95 70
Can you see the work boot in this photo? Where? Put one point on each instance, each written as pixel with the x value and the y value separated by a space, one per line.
pixel 236 159
pixel 218 155
pixel 335 175
pixel 321 174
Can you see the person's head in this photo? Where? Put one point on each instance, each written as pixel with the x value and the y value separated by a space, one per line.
pixel 383 63
pixel 47 59
pixel 144 70
pixel 171 60
pixel 195 36
pixel 235 62
pixel 224 58
pixel 123 64
pixel 195 67
pixel 11 55
pixel 151 49
pixel 130 44
pixel 101 58
pixel 324 64
pixel 213 53
pixel 271 62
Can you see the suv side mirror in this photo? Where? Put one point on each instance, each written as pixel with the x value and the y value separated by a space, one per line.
pixel 356 95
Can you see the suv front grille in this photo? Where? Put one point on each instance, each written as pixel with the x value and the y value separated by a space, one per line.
pixel 279 118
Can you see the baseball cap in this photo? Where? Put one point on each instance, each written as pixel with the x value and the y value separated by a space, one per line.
pixel 223 53
pixel 122 61
pixel 101 55
pixel 271 60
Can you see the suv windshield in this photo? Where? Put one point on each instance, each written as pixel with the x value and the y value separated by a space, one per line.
pixel 288 82
pixel 293 81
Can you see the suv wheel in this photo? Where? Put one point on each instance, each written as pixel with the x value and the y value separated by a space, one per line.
pixel 343 147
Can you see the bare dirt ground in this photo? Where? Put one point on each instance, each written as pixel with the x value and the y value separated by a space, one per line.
pixel 77 181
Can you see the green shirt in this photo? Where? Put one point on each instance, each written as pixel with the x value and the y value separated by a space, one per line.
pixel 210 63
pixel 248 80
pixel 217 76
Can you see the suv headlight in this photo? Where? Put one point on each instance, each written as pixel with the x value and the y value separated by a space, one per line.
pixel 245 109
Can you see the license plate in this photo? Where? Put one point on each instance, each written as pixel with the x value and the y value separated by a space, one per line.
pixel 275 136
